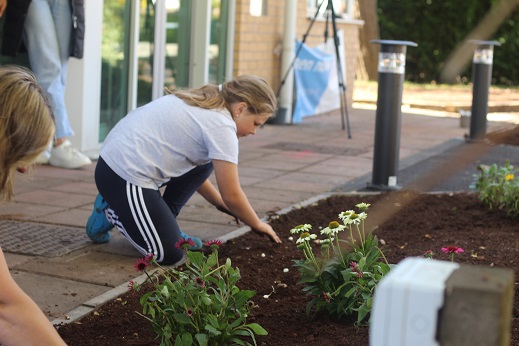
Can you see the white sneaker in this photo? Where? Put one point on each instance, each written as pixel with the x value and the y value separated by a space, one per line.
pixel 43 158
pixel 66 156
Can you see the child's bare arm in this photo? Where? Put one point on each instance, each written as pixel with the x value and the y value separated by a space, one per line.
pixel 236 200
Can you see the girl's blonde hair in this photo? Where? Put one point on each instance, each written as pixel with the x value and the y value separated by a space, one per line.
pixel 26 124
pixel 252 90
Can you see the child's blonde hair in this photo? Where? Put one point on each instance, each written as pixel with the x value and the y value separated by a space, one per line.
pixel 26 124
pixel 252 90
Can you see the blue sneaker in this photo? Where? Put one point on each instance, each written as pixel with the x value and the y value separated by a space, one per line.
pixel 98 227
pixel 197 241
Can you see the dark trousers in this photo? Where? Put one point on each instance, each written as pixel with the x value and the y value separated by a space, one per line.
pixel 144 216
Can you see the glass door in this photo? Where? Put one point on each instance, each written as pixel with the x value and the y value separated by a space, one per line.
pixel 218 41
pixel 147 45
pixel 114 64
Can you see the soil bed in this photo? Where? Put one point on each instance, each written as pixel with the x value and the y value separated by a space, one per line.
pixel 409 222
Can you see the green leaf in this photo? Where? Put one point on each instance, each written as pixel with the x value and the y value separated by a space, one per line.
pixel 213 331
pixel 187 339
pixel 203 339
pixel 212 260
pixel 206 300
pixel 196 258
pixel 256 328
pixel 182 318
pixel 236 341
pixel 164 291
pixel 243 296
pixel 350 292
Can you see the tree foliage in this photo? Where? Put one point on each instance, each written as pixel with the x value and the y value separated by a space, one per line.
pixel 438 27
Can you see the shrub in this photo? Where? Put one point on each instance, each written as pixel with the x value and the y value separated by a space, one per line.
pixel 498 188
pixel 341 281
pixel 200 305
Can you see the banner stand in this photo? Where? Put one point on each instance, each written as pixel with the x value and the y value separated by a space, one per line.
pixel 330 13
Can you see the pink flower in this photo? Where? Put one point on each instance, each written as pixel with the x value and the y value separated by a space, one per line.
pixel 452 249
pixel 149 257
pixel 189 312
pixel 141 264
pixel 130 285
pixel 199 282
pixel 184 244
pixel 353 265
pixel 214 243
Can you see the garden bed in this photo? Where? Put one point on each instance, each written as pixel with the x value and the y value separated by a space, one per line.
pixel 410 223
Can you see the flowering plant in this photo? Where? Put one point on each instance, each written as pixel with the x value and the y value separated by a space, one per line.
pixel 498 188
pixel 341 281
pixel 200 305
pixel 452 250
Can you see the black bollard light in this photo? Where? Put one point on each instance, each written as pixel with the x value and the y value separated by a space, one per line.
pixel 481 78
pixel 391 68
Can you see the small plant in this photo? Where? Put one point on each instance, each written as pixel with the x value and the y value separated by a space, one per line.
pixel 341 281
pixel 200 305
pixel 452 251
pixel 498 188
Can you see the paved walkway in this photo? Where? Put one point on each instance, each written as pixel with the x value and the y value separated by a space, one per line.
pixel 42 231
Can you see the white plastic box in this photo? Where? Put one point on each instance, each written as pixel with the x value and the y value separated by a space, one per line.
pixel 407 302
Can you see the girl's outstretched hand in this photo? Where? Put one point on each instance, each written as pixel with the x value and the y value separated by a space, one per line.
pixel 265 228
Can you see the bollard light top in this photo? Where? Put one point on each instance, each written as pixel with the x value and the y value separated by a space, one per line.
pixel 485 43
pixel 394 43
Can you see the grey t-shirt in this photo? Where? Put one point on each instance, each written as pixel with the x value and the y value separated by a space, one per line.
pixel 167 138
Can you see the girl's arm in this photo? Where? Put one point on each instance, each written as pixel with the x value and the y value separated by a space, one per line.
pixel 211 194
pixel 235 199
pixel 21 320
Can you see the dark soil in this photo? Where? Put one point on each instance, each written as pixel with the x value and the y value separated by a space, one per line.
pixel 409 222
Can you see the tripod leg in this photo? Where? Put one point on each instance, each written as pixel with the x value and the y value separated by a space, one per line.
pixel 283 80
pixel 342 85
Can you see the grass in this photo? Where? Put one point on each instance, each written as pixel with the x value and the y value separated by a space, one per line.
pixel 434 86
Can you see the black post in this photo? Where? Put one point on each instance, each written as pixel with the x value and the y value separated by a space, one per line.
pixel 481 79
pixel 391 68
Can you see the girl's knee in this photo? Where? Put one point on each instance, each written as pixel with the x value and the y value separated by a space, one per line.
pixel 171 257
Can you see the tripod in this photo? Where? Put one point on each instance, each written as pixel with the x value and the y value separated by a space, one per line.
pixel 330 12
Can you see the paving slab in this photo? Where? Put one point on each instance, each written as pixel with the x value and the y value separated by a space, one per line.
pixel 93 267
pixel 56 296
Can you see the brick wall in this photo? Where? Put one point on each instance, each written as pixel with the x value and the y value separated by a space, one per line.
pixel 258 40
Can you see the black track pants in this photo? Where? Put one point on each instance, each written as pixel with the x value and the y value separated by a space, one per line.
pixel 144 216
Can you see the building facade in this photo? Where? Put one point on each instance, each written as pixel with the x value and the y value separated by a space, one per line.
pixel 136 48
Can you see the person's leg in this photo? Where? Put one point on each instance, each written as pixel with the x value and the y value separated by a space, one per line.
pixel 179 190
pixel 141 215
pixel 47 36
pixel 46 43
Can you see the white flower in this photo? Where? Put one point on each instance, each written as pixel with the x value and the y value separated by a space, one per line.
pixel 305 237
pixel 363 216
pixel 301 228
pixel 333 229
pixel 346 214
pixel 351 218
pixel 363 206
